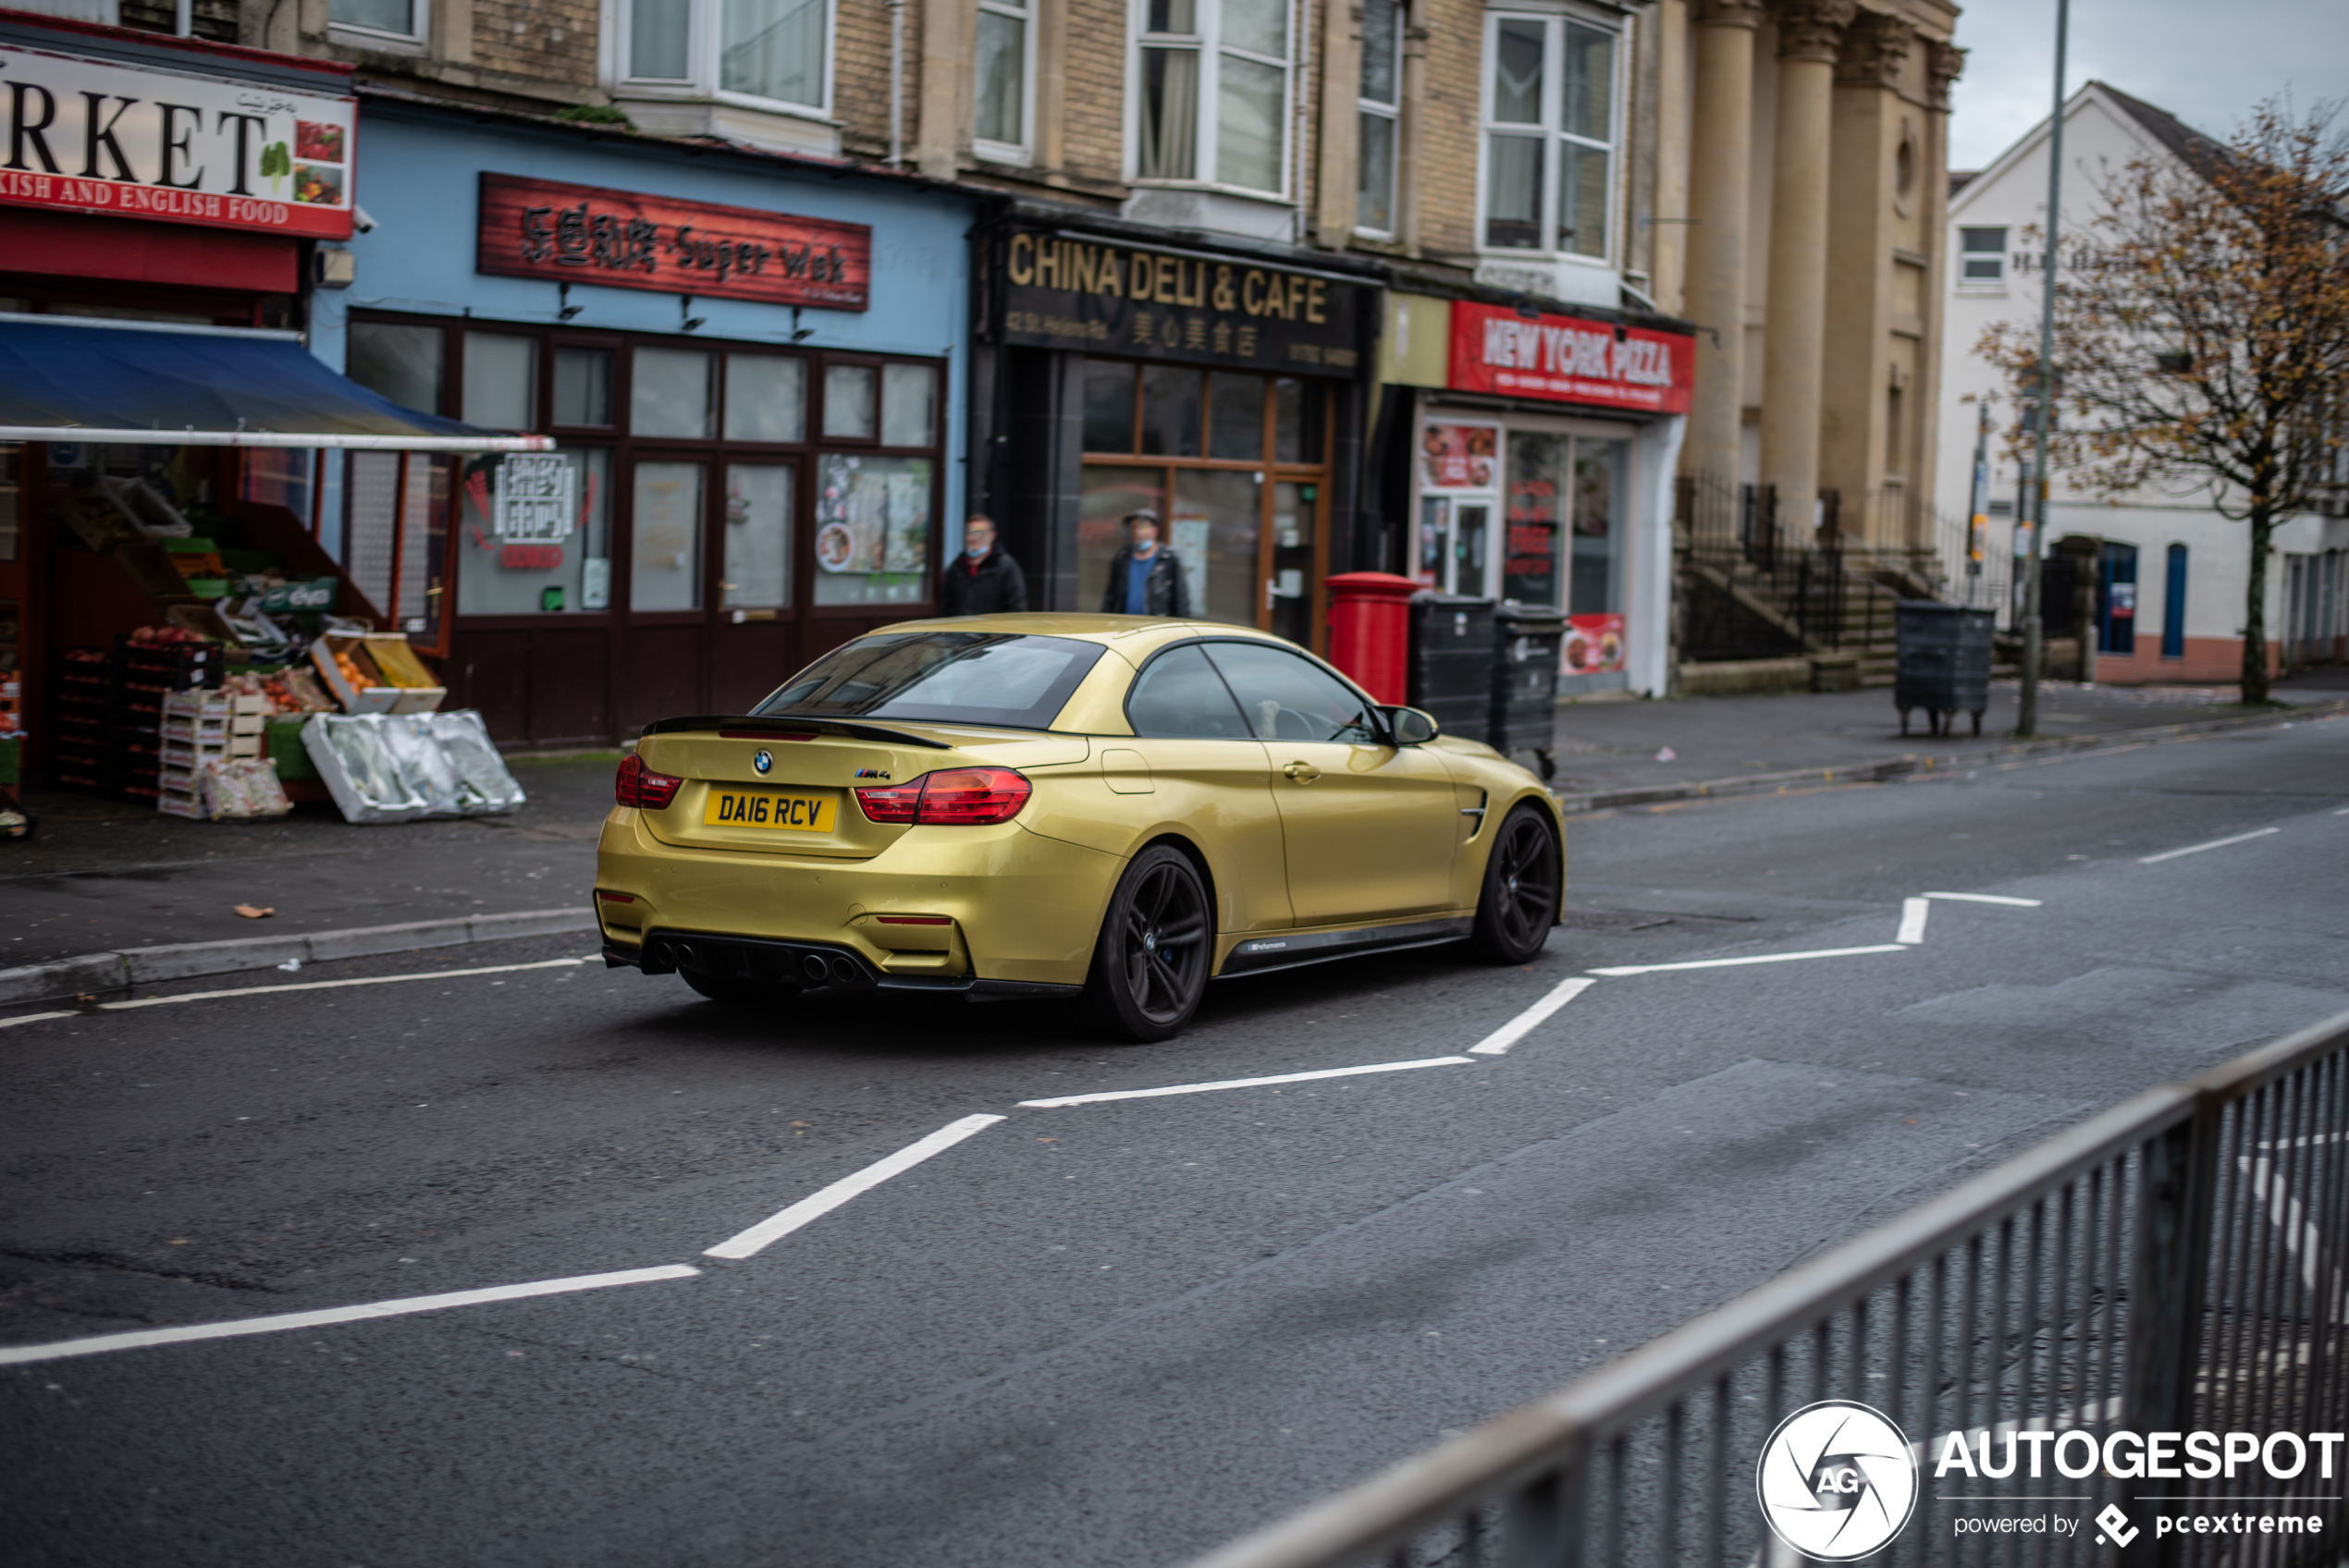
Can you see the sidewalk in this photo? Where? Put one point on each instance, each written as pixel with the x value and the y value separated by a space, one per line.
pixel 1610 750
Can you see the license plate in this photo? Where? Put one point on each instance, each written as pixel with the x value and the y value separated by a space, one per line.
pixel 759 808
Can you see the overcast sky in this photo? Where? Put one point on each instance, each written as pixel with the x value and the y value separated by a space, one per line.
pixel 2205 63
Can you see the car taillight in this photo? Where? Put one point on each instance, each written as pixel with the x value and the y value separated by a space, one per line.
pixel 955 797
pixel 637 785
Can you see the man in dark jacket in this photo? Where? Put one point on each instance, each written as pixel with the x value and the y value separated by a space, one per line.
pixel 1144 577
pixel 982 580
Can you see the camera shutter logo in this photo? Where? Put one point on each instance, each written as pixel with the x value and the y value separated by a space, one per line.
pixel 1837 1481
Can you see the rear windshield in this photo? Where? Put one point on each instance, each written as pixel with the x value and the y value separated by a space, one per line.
pixel 955 677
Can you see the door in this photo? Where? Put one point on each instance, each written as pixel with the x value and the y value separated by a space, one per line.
pixel 754 631
pixel 661 659
pixel 1194 752
pixel 1368 829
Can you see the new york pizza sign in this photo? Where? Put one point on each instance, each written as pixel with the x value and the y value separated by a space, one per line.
pixel 1571 360
pixel 625 239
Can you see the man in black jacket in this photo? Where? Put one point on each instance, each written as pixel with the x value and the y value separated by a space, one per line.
pixel 982 580
pixel 1144 577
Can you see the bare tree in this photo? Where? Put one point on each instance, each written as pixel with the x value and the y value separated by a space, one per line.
pixel 2202 332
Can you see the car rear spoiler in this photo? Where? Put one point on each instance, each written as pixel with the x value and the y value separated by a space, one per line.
pixel 789 724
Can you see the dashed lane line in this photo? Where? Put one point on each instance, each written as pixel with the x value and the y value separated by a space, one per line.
pixel 2213 844
pixel 1245 1082
pixel 329 985
pixel 1498 1042
pixel 1989 899
pixel 16 1356
pixel 784 1221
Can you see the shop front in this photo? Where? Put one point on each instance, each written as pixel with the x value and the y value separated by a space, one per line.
pixel 1219 394
pixel 1532 460
pixel 748 371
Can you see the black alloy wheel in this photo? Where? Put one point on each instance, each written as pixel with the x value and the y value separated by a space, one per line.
pixel 1149 967
pixel 738 993
pixel 1521 899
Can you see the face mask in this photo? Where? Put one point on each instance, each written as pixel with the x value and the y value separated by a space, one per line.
pixel 978 547
pixel 1145 548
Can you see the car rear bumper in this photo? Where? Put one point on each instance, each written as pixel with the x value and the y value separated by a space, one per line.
pixel 800 963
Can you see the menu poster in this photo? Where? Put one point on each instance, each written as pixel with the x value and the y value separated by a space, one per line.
pixel 1593 644
pixel 1458 456
pixel 873 515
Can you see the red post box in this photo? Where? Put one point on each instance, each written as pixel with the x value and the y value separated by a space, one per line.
pixel 1370 631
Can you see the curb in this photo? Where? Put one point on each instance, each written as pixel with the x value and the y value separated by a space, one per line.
pixel 93 974
pixel 1912 765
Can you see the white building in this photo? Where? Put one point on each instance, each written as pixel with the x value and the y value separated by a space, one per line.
pixel 2172 572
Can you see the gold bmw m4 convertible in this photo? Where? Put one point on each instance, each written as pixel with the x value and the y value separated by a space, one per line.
pixel 1108 807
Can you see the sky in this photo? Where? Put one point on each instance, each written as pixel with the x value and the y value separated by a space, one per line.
pixel 2205 63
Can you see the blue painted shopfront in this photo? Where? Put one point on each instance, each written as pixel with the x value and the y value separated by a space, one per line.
pixel 739 484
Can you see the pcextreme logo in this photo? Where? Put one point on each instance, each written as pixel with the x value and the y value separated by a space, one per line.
pixel 1837 1480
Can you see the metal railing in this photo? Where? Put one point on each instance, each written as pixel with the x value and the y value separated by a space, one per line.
pixel 1752 584
pixel 2173 1265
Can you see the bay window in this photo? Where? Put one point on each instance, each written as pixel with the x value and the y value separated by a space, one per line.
pixel 1379 107
pixel 773 51
pixel 1549 135
pixel 1212 99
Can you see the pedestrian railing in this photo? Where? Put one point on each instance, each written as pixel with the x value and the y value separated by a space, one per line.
pixel 2170 1269
pixel 1752 584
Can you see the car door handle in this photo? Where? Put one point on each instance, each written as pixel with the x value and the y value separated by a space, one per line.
pixel 1301 772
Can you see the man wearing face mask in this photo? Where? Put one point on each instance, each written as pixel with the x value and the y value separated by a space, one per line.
pixel 1144 578
pixel 982 580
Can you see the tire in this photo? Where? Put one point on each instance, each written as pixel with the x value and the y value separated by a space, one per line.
pixel 1519 901
pixel 737 993
pixel 1150 966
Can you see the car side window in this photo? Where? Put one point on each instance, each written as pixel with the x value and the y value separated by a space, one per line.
pixel 1287 697
pixel 1178 695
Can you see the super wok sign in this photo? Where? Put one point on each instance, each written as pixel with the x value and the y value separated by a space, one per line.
pixel 1571 360
pixel 89 135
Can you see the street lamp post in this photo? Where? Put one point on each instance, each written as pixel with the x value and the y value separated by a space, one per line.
pixel 2043 416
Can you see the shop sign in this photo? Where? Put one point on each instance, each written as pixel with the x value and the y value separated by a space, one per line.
pixel 1459 457
pixel 1569 360
pixel 624 240
pixel 536 496
pixel 1593 644
pixel 89 135
pixel 1100 298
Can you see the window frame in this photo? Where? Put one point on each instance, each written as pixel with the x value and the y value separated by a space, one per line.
pixel 1966 256
pixel 1552 135
pixel 1207 45
pixel 362 36
pixel 704 46
pixel 1022 152
pixel 1367 109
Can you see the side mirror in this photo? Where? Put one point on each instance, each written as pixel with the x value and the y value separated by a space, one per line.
pixel 1411 727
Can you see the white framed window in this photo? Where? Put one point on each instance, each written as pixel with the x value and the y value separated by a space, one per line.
pixel 1379 107
pixel 1550 132
pixel 1002 78
pixel 768 52
pixel 1212 84
pixel 369 20
pixel 1981 255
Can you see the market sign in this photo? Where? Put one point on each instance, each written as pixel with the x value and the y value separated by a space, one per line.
pixel 1569 360
pixel 623 239
pixel 1096 297
pixel 89 135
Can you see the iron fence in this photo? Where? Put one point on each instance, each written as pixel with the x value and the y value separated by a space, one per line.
pixel 2174 1267
pixel 1752 584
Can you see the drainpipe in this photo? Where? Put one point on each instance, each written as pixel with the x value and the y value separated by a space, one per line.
pixel 896 83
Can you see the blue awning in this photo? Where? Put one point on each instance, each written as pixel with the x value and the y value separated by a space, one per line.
pixel 68 378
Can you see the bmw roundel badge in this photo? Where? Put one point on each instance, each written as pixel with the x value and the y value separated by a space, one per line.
pixel 764 762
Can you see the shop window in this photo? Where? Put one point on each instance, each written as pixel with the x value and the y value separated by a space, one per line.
pixel 872 530
pixel 1378 112
pixel 1981 255
pixel 767 397
pixel 396 542
pixel 1534 547
pixel 669 394
pixel 2173 606
pixel 1004 65
pixel 501 381
pixel 909 405
pixel 759 536
pixel 848 402
pixel 1549 135
pixel 534 535
pixel 1214 78
pixel 1109 405
pixel 1297 420
pixel 393 19
pixel 664 564
pixel 582 386
pixel 1235 417
pixel 777 51
pixel 401 362
pixel 1173 399
pixel 1601 470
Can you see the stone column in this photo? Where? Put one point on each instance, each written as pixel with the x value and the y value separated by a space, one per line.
pixel 1943 62
pixel 1810 35
pixel 1718 154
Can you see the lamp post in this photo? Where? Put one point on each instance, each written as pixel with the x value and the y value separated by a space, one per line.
pixel 2043 418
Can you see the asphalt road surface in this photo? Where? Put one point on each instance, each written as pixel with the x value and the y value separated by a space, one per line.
pixel 1112 1332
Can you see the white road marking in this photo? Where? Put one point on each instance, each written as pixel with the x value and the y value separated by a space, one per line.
pixel 13 1355
pixel 1498 1042
pixel 1762 958
pixel 2342 811
pixel 815 1206
pixel 32 1018
pixel 1247 1082
pixel 1987 899
pixel 2214 844
pixel 1913 914
pixel 331 984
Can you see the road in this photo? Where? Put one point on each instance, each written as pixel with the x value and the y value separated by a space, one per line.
pixel 1113 1332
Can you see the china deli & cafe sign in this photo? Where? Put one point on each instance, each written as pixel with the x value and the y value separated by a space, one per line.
pixel 89 135
pixel 623 239
pixel 1569 360
pixel 1100 298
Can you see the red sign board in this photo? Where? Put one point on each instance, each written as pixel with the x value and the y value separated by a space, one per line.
pixel 1569 360
pixel 622 240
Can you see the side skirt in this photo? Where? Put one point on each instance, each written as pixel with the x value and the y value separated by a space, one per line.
pixel 1263 955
